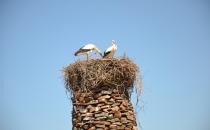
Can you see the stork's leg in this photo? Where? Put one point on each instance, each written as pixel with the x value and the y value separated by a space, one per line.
pixel 87 56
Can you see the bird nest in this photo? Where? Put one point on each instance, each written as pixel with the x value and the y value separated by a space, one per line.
pixel 101 74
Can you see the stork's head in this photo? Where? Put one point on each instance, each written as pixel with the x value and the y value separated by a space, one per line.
pixel 114 44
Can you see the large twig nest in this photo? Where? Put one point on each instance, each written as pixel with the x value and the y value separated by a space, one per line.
pixel 97 74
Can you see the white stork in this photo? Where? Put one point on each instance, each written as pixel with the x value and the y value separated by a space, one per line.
pixel 109 53
pixel 85 50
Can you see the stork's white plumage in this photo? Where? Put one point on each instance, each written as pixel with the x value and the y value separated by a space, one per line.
pixel 85 50
pixel 109 53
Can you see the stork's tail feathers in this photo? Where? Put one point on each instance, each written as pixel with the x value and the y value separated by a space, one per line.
pixel 106 54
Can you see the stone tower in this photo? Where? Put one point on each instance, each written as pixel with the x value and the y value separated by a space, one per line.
pixel 100 91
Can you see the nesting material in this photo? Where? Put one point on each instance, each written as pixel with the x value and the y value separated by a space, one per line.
pixel 101 74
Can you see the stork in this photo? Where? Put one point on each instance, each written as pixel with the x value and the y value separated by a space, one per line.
pixel 109 53
pixel 86 49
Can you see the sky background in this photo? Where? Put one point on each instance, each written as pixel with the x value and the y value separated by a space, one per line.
pixel 168 39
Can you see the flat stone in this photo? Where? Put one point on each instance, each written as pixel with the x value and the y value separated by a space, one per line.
pixel 125 103
pixel 100 126
pixel 123 114
pixel 117 114
pixel 109 103
pixel 115 104
pixel 113 127
pixel 91 109
pixel 75 108
pixel 75 121
pixel 117 123
pixel 85 127
pixel 122 108
pixel 131 112
pixel 126 128
pixel 89 103
pixel 110 116
pixel 100 104
pixel 89 106
pixel 102 122
pixel 101 114
pixel 106 110
pixel 117 119
pixel 119 101
pixel 94 109
pixel 115 108
pixel 100 118
pixel 80 124
pixel 82 110
pixel 88 118
pixel 129 125
pixel 122 127
pixel 106 128
pixel 124 120
pixel 119 98
pixel 111 100
pixel 87 114
pixel 112 120
pixel 130 117
pixel 135 128
pixel 97 108
pixel 106 106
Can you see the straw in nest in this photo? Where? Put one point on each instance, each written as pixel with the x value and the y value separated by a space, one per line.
pixel 96 74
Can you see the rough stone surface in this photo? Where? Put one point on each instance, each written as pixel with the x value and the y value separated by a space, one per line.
pixel 106 110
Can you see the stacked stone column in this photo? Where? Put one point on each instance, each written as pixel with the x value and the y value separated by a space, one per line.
pixel 104 110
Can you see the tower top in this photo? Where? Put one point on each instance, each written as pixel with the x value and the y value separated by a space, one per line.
pixel 101 74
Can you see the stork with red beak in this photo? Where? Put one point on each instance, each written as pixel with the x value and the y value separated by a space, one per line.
pixel 85 50
pixel 109 53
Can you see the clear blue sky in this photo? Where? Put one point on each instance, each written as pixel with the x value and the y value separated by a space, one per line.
pixel 169 39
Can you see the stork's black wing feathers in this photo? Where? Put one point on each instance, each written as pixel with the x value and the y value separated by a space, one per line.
pixel 106 53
